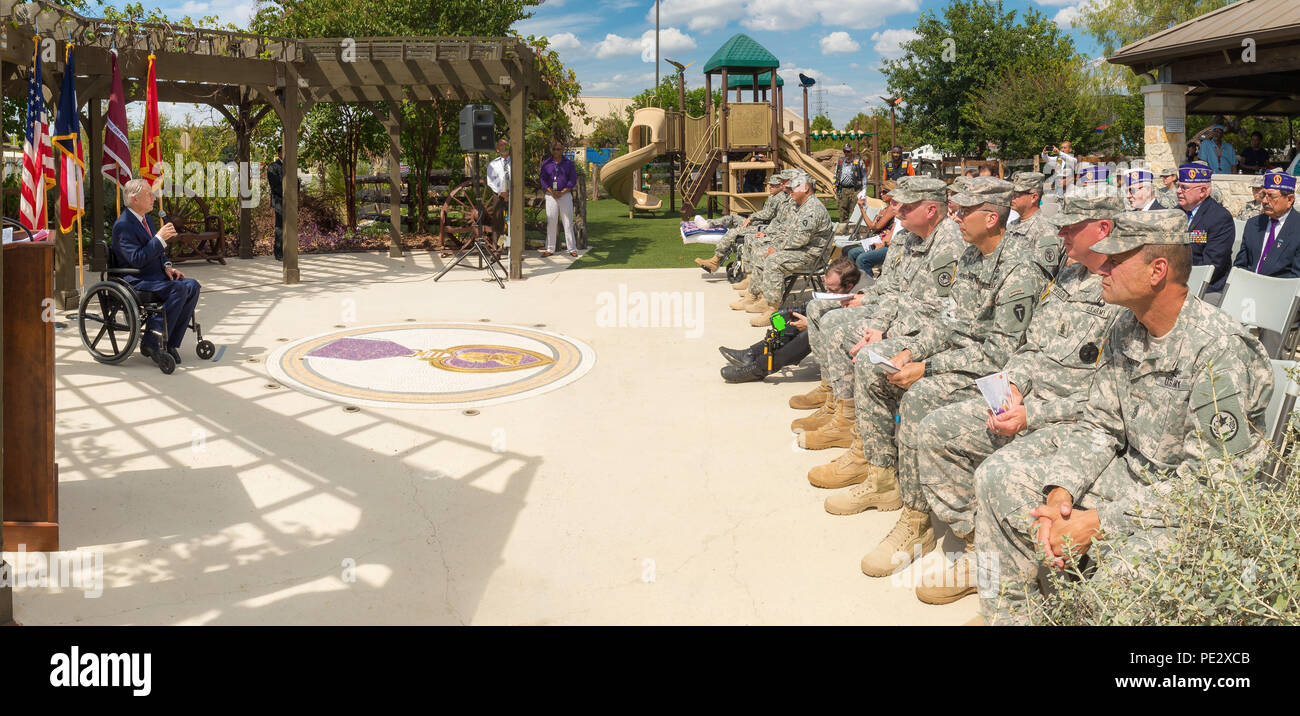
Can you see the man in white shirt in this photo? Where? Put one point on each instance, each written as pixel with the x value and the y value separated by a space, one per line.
pixel 498 181
pixel 1063 166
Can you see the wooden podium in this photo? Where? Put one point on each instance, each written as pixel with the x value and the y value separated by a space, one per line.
pixel 31 479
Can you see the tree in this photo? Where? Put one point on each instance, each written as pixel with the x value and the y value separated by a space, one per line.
pixel 1116 23
pixel 821 123
pixel 973 47
pixel 338 133
pixel 667 95
pixel 1040 107
pixel 609 131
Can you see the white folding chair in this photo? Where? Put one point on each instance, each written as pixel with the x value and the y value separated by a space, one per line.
pixel 1199 279
pixel 1262 302
pixel 1285 391
pixel 1239 231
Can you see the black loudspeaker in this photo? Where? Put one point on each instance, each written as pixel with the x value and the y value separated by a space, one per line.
pixel 477 128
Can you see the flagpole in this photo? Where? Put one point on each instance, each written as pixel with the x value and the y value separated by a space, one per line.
pixel 81 282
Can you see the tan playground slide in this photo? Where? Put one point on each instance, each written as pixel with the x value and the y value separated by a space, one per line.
pixel 618 176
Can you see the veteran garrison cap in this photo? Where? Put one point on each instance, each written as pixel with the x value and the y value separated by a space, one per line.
pixel 912 189
pixel 1194 173
pixel 1134 229
pixel 1082 207
pixel 1279 180
pixel 1026 182
pixel 985 190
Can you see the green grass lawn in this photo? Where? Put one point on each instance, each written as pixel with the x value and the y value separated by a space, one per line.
pixel 651 240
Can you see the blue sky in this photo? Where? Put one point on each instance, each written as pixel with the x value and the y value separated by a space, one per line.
pixel 610 43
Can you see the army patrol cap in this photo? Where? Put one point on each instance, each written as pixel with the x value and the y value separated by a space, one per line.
pixel 776 178
pixel 959 184
pixel 1134 229
pixel 912 189
pixel 1082 207
pixel 1169 172
pixel 1026 182
pixel 786 174
pixel 984 190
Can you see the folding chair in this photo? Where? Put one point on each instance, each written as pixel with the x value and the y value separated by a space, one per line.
pixel 814 276
pixel 1262 302
pixel 1199 279
pixel 1285 391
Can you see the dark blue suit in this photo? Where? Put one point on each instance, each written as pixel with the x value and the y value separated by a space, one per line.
pixel 1213 234
pixel 1283 260
pixel 134 247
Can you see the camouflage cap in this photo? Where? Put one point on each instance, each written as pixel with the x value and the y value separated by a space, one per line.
pixel 1026 182
pixel 912 189
pixel 984 190
pixel 787 174
pixel 1082 207
pixel 776 178
pixel 1134 229
pixel 960 184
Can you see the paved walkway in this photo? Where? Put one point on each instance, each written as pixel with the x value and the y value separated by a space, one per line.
pixel 645 492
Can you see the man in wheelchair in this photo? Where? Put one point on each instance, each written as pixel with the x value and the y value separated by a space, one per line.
pixel 137 246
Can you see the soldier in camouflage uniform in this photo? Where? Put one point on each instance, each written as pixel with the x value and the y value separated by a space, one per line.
pixel 1038 236
pixel 996 286
pixel 912 291
pixel 1049 375
pixel 757 242
pixel 798 248
pixel 1167 194
pixel 1255 206
pixel 740 226
pixel 1182 386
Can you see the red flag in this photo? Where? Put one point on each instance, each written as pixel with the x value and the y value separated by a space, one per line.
pixel 150 143
pixel 117 149
pixel 38 155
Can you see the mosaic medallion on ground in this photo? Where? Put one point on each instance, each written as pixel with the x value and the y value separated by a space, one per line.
pixel 431 365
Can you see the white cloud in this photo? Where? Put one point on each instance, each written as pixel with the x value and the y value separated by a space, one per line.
pixel 698 15
pixel 564 41
pixel 670 40
pixel 783 15
pixel 889 43
pixel 1066 16
pixel 626 84
pixel 838 42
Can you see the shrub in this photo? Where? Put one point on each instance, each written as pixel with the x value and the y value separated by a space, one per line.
pixel 1234 560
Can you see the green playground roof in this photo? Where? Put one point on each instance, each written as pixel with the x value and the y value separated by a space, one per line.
pixel 739 81
pixel 741 52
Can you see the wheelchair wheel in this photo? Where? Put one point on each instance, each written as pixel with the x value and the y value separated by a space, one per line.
pixel 205 349
pixel 734 273
pixel 166 363
pixel 108 311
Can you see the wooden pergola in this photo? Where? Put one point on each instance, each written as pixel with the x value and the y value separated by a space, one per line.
pixel 244 76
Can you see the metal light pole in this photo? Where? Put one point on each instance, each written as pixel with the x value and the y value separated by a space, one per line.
pixel 656 48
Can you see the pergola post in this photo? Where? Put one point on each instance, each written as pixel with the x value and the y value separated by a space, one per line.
pixel 518 114
pixel 1165 106
pixel 244 149
pixel 394 126
pixel 291 114
pixel 94 179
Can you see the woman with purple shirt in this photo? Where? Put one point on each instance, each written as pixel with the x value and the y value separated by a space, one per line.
pixel 559 177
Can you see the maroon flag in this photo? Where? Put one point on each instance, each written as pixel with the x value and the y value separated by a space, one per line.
pixel 117 150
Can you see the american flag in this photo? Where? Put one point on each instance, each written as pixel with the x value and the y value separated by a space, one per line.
pixel 38 155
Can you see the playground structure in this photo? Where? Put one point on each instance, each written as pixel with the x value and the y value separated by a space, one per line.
pixel 728 136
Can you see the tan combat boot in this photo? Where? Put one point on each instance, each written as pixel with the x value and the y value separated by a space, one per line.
pixel 743 285
pixel 813 399
pixel 765 311
pixel 911 538
pixel 710 264
pixel 957 581
pixel 823 415
pixel 850 468
pixel 879 490
pixel 836 432
pixel 740 303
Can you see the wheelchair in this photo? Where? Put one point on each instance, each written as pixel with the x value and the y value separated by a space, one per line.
pixel 123 316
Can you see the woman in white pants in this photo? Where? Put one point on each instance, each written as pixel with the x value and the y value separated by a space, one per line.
pixel 558 178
